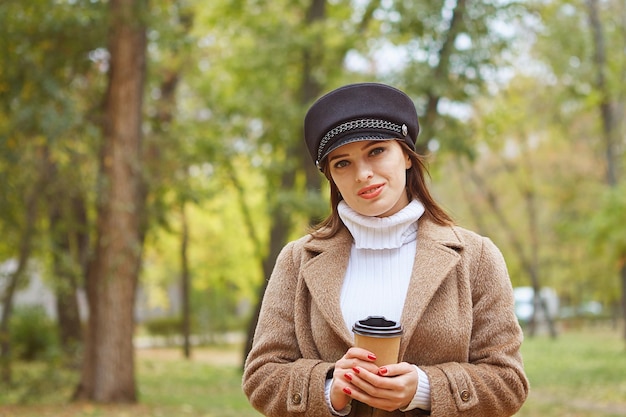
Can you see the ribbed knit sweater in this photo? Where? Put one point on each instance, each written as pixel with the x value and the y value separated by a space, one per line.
pixel 381 260
pixel 379 272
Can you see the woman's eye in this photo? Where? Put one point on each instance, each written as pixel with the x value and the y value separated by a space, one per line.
pixel 377 151
pixel 341 164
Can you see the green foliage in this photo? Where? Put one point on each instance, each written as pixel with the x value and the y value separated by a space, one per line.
pixel 39 382
pixel 224 267
pixel 608 227
pixel 33 335
pixel 164 326
pixel 51 85
pixel 446 55
pixel 545 179
pixel 570 62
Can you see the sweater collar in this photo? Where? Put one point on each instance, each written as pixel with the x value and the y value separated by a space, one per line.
pixel 382 232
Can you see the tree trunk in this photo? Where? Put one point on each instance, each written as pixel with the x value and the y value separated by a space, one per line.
pixel 281 219
pixel 623 286
pixel 530 264
pixel 69 241
pixel 610 128
pixel 185 282
pixel 281 225
pixel 65 284
pixel 108 373
pixel 442 70
pixel 24 251
pixel 6 374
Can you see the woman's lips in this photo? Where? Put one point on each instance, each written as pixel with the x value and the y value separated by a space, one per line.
pixel 371 191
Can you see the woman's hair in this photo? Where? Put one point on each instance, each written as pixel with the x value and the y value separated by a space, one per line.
pixel 416 189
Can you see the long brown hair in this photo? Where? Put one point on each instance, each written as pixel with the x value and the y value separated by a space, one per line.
pixel 416 189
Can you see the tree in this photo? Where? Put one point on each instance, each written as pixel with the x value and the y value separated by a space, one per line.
pixel 25 248
pixel 69 244
pixel 293 54
pixel 444 55
pixel 45 73
pixel 590 79
pixel 546 117
pixel 608 104
pixel 510 144
pixel 108 366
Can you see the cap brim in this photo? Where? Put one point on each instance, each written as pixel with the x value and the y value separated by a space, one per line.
pixel 357 137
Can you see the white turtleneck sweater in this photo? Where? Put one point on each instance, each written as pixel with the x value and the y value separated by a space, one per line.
pixel 381 260
pixel 379 272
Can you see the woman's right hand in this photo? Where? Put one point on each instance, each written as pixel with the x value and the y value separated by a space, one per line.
pixel 344 369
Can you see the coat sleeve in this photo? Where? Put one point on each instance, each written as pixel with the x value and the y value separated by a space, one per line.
pixel 276 379
pixel 492 382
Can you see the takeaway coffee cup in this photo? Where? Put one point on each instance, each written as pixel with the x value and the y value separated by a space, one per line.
pixel 380 336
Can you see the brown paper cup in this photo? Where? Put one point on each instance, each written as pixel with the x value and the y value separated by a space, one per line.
pixel 380 336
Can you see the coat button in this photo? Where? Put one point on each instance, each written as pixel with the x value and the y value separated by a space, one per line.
pixel 296 399
pixel 465 395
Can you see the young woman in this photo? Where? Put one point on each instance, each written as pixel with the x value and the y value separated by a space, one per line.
pixel 387 249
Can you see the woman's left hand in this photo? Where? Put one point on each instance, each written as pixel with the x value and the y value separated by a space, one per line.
pixel 393 387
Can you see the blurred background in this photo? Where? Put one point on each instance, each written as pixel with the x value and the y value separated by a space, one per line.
pixel 152 164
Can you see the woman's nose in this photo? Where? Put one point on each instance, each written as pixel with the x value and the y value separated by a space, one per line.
pixel 364 172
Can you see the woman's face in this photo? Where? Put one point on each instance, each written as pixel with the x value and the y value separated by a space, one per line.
pixel 371 176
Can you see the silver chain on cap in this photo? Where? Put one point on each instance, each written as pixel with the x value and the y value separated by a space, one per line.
pixel 359 124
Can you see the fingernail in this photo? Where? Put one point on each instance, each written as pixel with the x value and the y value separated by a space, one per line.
pixel 371 356
pixel 383 371
pixel 347 390
pixel 348 377
pixel 356 370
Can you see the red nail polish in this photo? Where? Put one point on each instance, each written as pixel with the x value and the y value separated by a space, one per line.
pixel 347 391
pixel 383 371
pixel 348 377
pixel 356 370
pixel 371 357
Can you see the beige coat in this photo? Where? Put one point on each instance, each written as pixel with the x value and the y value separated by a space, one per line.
pixel 458 319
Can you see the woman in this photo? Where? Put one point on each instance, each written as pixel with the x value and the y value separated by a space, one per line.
pixel 387 249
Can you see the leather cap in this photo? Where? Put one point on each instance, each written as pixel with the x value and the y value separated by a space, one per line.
pixel 357 112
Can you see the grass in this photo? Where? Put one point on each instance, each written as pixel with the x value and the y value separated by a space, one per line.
pixel 192 388
pixel 581 373
pixel 208 385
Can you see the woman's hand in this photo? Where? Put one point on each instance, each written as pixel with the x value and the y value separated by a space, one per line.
pixel 388 388
pixel 355 358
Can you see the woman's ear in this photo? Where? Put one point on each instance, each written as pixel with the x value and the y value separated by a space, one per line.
pixel 408 162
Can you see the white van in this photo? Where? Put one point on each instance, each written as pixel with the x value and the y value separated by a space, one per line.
pixel 524 303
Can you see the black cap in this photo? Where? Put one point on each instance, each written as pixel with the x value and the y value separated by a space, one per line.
pixel 356 112
pixel 377 326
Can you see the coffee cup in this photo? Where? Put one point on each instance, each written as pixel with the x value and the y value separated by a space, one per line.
pixel 379 336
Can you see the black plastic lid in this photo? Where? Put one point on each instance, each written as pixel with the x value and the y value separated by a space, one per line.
pixel 377 326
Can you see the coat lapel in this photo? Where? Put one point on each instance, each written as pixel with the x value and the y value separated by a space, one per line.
pixel 324 274
pixel 435 257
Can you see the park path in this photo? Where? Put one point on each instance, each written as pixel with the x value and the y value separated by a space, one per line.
pixel 222 356
pixel 227 352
